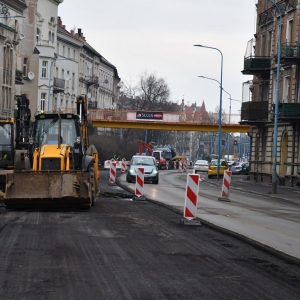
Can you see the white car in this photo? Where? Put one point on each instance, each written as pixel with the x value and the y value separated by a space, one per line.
pixel 201 166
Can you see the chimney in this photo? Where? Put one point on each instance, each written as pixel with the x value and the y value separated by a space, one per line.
pixel 72 31
pixel 79 32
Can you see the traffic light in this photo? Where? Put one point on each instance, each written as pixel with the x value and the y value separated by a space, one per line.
pixel 235 142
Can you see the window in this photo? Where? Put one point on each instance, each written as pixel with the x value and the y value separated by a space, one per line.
pixel 63 51
pixel 7 62
pixel 286 89
pixel 43 100
pixel 289 31
pixel 44 69
pixel 73 80
pixel 74 54
pixel 25 66
pixel 38 36
pixel 68 52
pixel 67 79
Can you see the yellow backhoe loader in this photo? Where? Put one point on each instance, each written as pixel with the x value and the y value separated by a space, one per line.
pixel 60 167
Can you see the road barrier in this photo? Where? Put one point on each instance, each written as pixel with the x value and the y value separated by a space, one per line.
pixel 113 172
pixel 167 165
pixel 123 165
pixel 108 162
pixel 184 166
pixel 226 186
pixel 139 183
pixel 191 196
pixel 180 166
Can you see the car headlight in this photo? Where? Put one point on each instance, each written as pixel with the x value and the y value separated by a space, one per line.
pixel 131 171
pixel 154 172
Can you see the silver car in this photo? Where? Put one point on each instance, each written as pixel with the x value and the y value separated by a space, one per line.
pixel 236 167
pixel 201 166
pixel 149 165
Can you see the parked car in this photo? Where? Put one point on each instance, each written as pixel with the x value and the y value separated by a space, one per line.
pixel 240 168
pixel 149 165
pixel 213 167
pixel 201 166
pixel 230 163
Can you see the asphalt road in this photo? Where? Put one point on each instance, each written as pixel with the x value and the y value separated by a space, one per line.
pixel 270 220
pixel 126 249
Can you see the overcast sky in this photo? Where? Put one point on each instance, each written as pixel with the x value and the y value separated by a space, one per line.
pixel 158 36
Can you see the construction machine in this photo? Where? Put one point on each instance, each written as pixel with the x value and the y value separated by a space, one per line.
pixel 14 136
pixel 59 167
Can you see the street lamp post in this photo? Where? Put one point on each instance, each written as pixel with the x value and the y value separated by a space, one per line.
pixel 274 172
pixel 228 135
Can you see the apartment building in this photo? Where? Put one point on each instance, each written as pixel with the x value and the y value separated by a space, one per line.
pixel 261 62
pixel 10 13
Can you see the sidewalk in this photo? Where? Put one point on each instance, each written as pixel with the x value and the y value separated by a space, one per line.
pixel 291 194
pixel 282 192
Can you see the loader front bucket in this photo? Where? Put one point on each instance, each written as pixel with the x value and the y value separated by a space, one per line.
pixel 54 188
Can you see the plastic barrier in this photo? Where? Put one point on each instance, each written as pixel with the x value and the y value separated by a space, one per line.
pixel 226 184
pixel 139 183
pixel 180 166
pixel 167 165
pixel 113 172
pixel 191 196
pixel 108 162
pixel 123 165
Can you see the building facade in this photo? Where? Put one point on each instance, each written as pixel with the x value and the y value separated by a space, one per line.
pixel 10 13
pixel 261 62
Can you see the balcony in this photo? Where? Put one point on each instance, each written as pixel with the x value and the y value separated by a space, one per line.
pixel 19 77
pixel 290 111
pixel 58 85
pixel 290 53
pixel 255 111
pixel 91 80
pixel 257 65
pixel 92 104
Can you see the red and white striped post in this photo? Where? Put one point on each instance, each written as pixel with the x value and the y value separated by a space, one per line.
pixel 139 183
pixel 191 196
pixel 123 167
pixel 184 166
pixel 113 172
pixel 180 166
pixel 226 186
pixel 175 164
pixel 167 165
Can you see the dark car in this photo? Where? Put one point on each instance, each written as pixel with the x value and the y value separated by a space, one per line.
pixel 149 165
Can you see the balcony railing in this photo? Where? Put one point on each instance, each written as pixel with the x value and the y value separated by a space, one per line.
pixel 58 85
pixel 290 53
pixel 288 110
pixel 92 104
pixel 91 80
pixel 254 111
pixel 257 65
pixel 19 77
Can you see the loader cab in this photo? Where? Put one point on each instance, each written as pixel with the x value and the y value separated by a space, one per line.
pixel 6 145
pixel 56 129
